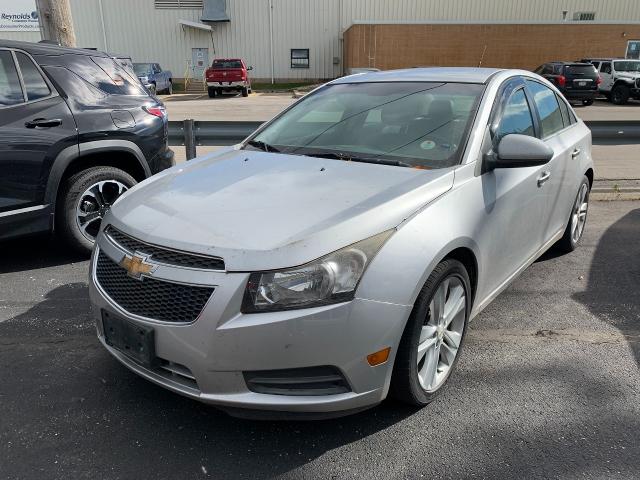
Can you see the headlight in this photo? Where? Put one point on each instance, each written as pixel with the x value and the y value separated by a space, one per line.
pixel 330 279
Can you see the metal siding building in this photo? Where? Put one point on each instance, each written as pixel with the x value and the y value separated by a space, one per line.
pixel 148 33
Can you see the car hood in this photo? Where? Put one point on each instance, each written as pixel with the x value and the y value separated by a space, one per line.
pixel 628 75
pixel 262 211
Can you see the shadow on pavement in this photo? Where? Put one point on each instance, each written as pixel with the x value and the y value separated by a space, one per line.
pixel 34 252
pixel 97 408
pixel 615 269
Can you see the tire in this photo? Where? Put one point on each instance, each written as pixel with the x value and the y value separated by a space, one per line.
pixel 571 238
pixel 170 88
pixel 587 102
pixel 74 193
pixel 405 383
pixel 211 91
pixel 245 92
pixel 152 89
pixel 620 95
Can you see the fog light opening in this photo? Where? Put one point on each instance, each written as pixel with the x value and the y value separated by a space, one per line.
pixel 379 357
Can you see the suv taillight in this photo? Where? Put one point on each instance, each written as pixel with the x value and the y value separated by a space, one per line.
pixel 599 80
pixel 159 112
pixel 562 81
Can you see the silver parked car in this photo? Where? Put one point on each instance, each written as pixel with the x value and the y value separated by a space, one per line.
pixel 338 254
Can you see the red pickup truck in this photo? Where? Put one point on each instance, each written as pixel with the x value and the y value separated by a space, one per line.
pixel 226 74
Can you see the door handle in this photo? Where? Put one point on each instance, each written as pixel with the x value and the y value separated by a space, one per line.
pixel 43 123
pixel 543 178
pixel 575 153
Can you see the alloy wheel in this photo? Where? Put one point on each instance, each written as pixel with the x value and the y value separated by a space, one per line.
pixel 579 213
pixel 94 204
pixel 441 333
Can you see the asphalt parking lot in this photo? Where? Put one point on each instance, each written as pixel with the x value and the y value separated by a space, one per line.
pixel 548 386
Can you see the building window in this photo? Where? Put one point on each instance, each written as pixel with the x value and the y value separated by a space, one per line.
pixel 166 4
pixel 299 58
pixel 633 49
pixel 584 16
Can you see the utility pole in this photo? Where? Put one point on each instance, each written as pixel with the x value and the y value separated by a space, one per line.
pixel 55 22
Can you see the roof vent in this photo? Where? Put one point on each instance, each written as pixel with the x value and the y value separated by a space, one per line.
pixel 215 11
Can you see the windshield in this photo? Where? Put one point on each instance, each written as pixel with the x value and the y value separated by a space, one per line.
pixel 627 66
pixel 417 124
pixel 227 64
pixel 142 69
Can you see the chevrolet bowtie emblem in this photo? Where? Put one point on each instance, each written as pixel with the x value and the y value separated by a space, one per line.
pixel 137 266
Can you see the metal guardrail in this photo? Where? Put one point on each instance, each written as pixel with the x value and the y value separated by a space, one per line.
pixel 191 133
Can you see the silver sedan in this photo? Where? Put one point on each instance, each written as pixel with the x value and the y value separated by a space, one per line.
pixel 337 255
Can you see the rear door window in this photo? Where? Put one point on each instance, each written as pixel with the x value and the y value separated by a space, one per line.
pixel 34 84
pixel 106 74
pixel 516 117
pixel 10 89
pixel 548 108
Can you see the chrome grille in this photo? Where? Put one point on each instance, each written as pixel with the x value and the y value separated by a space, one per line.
pixel 151 298
pixel 163 255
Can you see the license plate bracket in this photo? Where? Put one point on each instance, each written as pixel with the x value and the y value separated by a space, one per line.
pixel 132 339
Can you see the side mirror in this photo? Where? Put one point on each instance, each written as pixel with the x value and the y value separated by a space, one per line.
pixel 249 68
pixel 516 151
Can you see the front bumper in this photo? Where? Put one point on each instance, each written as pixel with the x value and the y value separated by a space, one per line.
pixel 222 343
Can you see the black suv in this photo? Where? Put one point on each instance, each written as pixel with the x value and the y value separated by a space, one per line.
pixel 76 131
pixel 576 81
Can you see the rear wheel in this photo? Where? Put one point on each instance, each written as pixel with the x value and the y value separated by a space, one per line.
pixel 245 92
pixel 85 199
pixel 575 227
pixel 432 340
pixel 620 94
pixel 211 91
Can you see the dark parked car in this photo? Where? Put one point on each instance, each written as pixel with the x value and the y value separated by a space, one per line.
pixel 76 131
pixel 577 81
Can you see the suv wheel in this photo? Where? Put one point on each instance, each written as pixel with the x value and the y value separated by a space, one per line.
pixel 620 94
pixel 432 340
pixel 85 199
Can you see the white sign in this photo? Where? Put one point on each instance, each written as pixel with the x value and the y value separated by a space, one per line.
pixel 18 16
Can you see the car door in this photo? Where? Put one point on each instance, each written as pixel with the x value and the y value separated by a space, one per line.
pixel 607 77
pixel 513 198
pixel 35 125
pixel 556 182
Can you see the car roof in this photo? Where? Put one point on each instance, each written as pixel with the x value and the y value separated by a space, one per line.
pixel 427 74
pixel 561 62
pixel 49 49
pixel 227 59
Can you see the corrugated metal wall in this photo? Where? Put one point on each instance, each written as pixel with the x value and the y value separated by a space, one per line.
pixel 137 28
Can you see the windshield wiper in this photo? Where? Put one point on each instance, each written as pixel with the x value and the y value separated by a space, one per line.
pixel 355 158
pixel 263 146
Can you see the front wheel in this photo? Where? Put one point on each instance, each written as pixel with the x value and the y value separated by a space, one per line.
pixel 432 340
pixel 85 199
pixel 575 227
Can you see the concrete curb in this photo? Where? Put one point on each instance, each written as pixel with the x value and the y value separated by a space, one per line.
pixel 615 189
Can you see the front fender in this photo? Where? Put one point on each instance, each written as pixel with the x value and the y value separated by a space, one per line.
pixel 401 268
